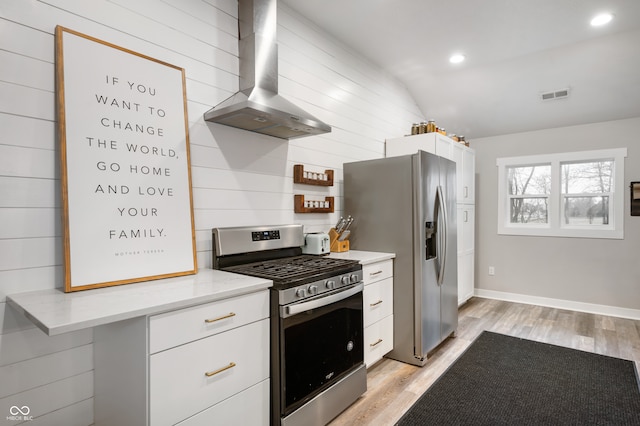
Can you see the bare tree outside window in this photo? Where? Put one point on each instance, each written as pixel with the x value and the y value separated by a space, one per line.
pixel 586 190
pixel 529 188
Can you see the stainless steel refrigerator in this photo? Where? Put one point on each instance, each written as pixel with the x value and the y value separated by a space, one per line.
pixel 407 205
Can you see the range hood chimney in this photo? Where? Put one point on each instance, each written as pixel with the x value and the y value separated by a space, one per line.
pixel 257 107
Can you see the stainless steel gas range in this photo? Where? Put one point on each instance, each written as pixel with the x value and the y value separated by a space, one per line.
pixel 317 354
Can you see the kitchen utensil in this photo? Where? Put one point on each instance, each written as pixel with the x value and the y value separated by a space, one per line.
pixel 349 222
pixel 344 235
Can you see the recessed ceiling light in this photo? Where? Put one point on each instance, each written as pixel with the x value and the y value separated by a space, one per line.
pixel 456 59
pixel 601 19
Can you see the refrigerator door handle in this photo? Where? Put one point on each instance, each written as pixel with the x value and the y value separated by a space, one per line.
pixel 442 205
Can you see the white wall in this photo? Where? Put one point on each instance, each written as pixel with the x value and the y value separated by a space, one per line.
pixel 239 178
pixel 597 275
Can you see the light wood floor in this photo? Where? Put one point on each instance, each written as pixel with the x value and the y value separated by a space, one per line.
pixel 394 386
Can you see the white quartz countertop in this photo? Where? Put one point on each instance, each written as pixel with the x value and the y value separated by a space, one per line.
pixel 56 312
pixel 365 257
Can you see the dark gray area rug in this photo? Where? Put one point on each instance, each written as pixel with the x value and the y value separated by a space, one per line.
pixel 504 380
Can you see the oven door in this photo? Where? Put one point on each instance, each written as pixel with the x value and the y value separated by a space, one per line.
pixel 321 341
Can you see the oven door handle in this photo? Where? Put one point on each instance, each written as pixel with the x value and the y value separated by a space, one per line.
pixel 297 308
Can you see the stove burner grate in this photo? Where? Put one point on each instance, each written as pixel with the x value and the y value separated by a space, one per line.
pixel 292 268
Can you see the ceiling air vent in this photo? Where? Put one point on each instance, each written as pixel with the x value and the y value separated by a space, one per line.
pixel 556 94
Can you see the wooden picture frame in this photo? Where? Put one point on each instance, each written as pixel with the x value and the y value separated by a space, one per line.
pixel 634 190
pixel 125 165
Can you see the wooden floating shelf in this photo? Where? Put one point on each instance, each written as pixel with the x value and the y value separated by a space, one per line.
pixel 299 205
pixel 298 177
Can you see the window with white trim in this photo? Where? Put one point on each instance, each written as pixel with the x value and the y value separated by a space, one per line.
pixel 573 194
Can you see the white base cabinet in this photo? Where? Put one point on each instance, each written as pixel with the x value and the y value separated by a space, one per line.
pixel 378 310
pixel 250 407
pixel 206 364
pixel 466 251
pixel 378 340
pixel 178 383
pixel 465 277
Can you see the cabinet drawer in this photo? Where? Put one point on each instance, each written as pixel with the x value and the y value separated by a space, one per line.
pixel 185 325
pixel 178 381
pixel 377 271
pixel 378 340
pixel 249 407
pixel 378 301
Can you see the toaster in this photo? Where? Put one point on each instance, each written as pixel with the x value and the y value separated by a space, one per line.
pixel 316 243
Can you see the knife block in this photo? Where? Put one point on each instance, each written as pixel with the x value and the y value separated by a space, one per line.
pixel 336 245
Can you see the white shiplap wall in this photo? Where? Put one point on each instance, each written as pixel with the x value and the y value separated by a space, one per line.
pixel 239 178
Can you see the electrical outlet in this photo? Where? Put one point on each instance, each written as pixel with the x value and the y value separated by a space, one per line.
pixel 492 270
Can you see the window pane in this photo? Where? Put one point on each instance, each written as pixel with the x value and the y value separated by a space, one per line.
pixel 530 180
pixel 586 210
pixel 529 210
pixel 591 177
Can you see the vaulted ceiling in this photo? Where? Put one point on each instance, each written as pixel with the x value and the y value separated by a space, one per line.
pixel 515 50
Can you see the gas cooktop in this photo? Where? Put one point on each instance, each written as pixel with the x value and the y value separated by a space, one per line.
pixel 289 271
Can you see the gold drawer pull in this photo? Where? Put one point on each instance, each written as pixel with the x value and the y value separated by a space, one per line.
pixel 220 370
pixel 375 304
pixel 376 343
pixel 374 273
pixel 209 321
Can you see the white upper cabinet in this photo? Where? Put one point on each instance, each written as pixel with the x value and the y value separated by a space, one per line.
pixel 434 143
pixel 465 159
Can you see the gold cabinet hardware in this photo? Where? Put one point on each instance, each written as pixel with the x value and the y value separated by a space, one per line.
pixel 376 343
pixel 376 303
pixel 220 370
pixel 209 321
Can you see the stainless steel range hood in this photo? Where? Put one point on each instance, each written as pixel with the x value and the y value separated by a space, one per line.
pixel 257 106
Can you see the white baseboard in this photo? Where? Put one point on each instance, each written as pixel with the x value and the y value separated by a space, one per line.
pixel 591 308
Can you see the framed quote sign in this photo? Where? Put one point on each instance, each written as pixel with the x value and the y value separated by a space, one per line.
pixel 125 165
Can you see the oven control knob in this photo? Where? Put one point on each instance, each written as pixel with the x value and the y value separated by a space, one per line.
pixel 301 292
pixel 330 284
pixel 313 289
pixel 345 280
pixel 353 278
